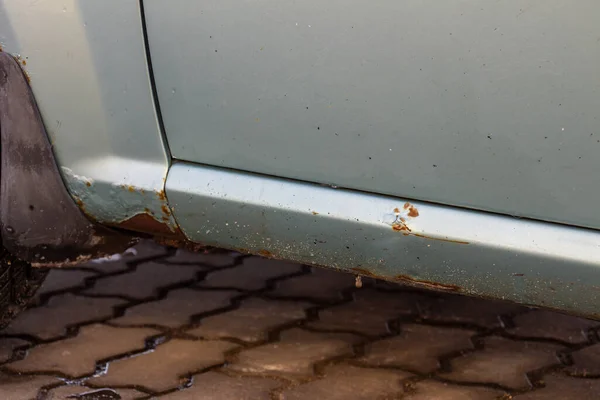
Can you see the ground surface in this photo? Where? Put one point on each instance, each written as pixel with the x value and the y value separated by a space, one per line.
pixel 226 326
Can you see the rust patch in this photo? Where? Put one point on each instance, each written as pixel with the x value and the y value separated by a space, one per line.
pixel 439 239
pixel 315 213
pixel 412 210
pixel 88 184
pixel 400 226
pixel 427 284
pixel 518 274
pixel 265 253
pixel 162 196
pixel 165 210
pixel 396 210
pixel 147 224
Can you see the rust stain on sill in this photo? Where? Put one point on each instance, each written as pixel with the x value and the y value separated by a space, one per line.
pixel 439 239
pixel 146 223
pixel 426 284
pixel 408 280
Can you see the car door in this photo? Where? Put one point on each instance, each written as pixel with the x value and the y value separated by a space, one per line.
pixel 480 104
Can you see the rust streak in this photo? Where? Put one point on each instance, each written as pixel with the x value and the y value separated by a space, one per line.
pixel 439 239
pixel 364 272
pixel 427 284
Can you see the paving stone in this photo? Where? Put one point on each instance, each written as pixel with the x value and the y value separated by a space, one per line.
pixel 23 387
pixel 51 320
pixel 77 356
pixel 586 361
pixel 504 362
pixel 144 249
pixel 206 259
pixel 163 368
pixel 295 354
pixel 468 310
pixel 344 382
pixel 86 393
pixel 560 387
pixel 218 386
pixel 431 390
pixel 252 320
pixel 368 313
pixel 177 308
pixel 7 347
pixel 417 347
pixel 321 284
pixel 154 276
pixel 553 325
pixel 251 275
pixel 63 279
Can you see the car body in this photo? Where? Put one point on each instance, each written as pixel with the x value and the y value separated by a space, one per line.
pixel 451 146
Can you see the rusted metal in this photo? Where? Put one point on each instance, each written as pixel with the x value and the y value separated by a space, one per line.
pixel 39 220
pixel 146 223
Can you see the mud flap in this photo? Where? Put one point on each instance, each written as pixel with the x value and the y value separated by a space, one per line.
pixel 39 220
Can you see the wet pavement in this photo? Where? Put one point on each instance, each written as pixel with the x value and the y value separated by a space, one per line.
pixel 175 325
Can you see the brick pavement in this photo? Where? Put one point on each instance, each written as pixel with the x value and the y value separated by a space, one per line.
pixel 168 324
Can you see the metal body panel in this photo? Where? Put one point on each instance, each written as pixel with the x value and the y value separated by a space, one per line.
pixel 436 246
pixel 87 66
pixel 482 104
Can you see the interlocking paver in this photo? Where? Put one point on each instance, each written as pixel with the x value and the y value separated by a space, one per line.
pixel 320 285
pixel 368 313
pixel 56 318
pixel 417 347
pixel 560 387
pixel 77 356
pixel 252 320
pixel 176 309
pixel 552 325
pixel 504 362
pixel 163 368
pixel 86 393
pixel 467 310
pixel 154 276
pixel 344 382
pixel 299 336
pixel 63 279
pixel 586 361
pixel 218 386
pixel 251 275
pixel 431 390
pixel 207 259
pixel 8 346
pixel 295 354
pixel 23 387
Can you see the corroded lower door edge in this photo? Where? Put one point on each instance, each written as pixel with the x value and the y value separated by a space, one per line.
pixel 435 246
